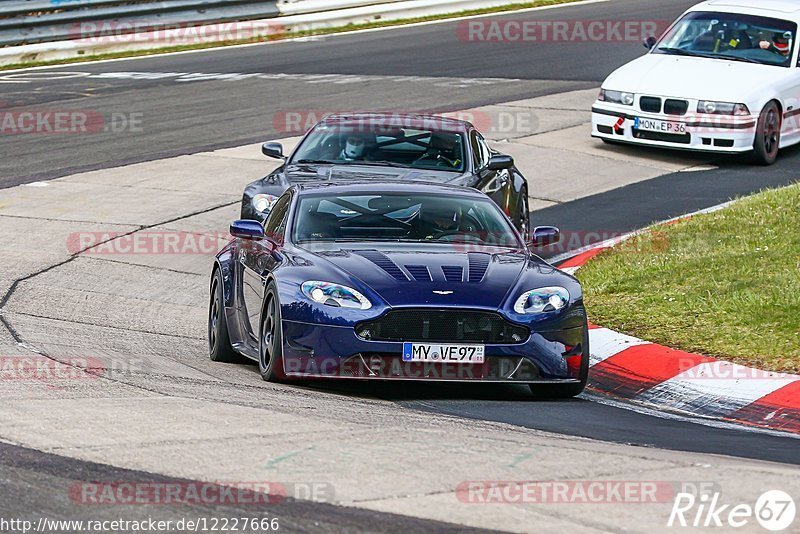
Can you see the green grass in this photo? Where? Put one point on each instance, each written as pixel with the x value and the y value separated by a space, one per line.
pixel 726 284
pixel 291 34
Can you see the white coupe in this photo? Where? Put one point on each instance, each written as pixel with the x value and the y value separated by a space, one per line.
pixel 724 78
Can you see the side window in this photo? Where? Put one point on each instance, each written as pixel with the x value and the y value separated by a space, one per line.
pixel 275 225
pixel 484 150
pixel 475 148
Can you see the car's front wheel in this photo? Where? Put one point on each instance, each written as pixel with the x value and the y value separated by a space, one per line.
pixel 270 346
pixel 768 135
pixel 524 216
pixel 219 343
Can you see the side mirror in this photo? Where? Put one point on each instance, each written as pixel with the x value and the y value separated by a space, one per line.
pixel 500 162
pixel 247 229
pixel 545 235
pixel 650 42
pixel 273 150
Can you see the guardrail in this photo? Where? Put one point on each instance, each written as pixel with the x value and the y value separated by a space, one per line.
pixel 39 21
pixel 46 30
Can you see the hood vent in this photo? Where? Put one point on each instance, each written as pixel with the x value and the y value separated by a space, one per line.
pixel 478 264
pixel 420 273
pixel 453 273
pixel 383 261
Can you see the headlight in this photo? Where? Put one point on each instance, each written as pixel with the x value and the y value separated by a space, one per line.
pixel 263 203
pixel 722 108
pixel 543 300
pixel 335 295
pixel 616 97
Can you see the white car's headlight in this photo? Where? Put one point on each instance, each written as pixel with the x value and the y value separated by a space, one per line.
pixel 722 108
pixel 263 203
pixel 542 300
pixel 616 97
pixel 335 295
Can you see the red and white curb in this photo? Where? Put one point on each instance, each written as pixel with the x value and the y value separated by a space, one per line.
pixel 681 382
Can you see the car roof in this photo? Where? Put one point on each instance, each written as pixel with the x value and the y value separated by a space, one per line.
pixel 421 121
pixel 385 186
pixel 762 7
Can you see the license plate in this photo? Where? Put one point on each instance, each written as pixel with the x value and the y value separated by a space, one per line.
pixel 424 352
pixel 652 125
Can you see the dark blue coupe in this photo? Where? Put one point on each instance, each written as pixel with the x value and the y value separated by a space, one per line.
pixel 396 281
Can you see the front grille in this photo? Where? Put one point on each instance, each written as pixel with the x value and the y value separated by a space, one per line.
pixel 676 107
pixel 651 104
pixel 442 326
pixel 683 139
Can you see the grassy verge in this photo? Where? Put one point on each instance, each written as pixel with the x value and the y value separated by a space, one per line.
pixel 725 284
pixel 293 34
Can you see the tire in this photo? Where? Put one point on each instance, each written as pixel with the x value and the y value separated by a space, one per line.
pixel 219 342
pixel 565 391
pixel 270 340
pixel 768 135
pixel 523 216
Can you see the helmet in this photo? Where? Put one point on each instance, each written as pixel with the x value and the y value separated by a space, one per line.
pixel 783 43
pixel 354 147
pixel 441 213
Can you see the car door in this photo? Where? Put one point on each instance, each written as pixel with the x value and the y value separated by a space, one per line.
pixel 790 96
pixel 258 258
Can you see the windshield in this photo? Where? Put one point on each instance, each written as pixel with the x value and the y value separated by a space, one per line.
pixel 417 218
pixel 731 36
pixel 346 143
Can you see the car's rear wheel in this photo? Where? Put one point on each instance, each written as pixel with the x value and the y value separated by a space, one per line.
pixel 219 343
pixel 768 135
pixel 270 346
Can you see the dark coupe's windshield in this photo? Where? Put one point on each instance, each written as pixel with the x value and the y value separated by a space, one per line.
pixel 417 218
pixel 731 36
pixel 356 143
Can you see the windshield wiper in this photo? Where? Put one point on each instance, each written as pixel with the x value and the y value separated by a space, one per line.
pixel 377 163
pixel 682 52
pixel 313 162
pixel 738 58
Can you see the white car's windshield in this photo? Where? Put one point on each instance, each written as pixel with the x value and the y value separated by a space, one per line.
pixel 731 36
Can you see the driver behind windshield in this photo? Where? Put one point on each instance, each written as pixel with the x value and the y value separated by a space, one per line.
pixel 781 44
pixel 439 217
pixel 356 147
pixel 441 152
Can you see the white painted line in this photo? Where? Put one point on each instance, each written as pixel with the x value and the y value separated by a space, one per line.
pixel 715 388
pixel 605 343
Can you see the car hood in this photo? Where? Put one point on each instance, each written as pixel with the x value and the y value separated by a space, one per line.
pixel 300 173
pixel 694 78
pixel 439 276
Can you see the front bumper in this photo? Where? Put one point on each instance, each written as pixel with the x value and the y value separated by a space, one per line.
pixel 704 133
pixel 324 351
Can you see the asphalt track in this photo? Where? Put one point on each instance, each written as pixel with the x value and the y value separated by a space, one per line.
pixel 187 117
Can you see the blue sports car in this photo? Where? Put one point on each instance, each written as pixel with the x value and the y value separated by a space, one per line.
pixel 396 281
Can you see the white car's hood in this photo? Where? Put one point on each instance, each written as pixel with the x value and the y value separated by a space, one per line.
pixel 695 78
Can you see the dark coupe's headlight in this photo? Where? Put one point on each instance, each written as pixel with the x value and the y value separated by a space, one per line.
pixel 542 300
pixel 335 295
pixel 263 203
pixel 616 97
